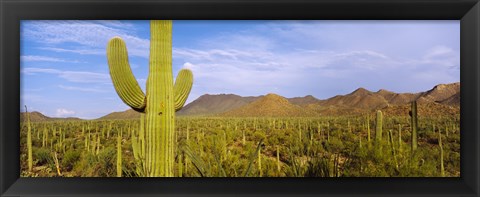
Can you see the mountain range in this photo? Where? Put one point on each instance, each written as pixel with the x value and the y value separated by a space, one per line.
pixel 440 100
pixel 39 117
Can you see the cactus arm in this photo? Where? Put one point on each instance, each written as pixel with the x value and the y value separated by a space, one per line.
pixel 182 87
pixel 122 77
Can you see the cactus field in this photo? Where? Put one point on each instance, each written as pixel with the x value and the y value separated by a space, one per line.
pixel 345 146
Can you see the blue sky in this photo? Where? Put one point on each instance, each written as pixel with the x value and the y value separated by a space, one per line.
pixel 64 69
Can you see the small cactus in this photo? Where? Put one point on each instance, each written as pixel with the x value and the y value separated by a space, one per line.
pixel 399 137
pixel 442 168
pixel 180 165
pixel 392 147
pixel 260 162
pixel 413 124
pixel 163 97
pixel 368 128
pixel 29 141
pixel 379 126
pixel 278 160
pixel 119 156
pixel 244 141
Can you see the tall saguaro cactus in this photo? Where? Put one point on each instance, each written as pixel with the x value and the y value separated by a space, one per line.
pixel 163 97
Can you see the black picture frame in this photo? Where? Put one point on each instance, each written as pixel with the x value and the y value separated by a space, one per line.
pixel 12 11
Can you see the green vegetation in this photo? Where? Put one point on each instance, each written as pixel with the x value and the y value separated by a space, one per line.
pixel 238 147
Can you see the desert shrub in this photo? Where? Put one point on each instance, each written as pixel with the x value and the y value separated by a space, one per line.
pixel 318 167
pixel 335 145
pixel 42 155
pixel 258 135
pixel 84 167
pixel 70 158
pixel 107 161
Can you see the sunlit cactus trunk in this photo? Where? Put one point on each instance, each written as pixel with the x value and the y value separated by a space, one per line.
pixel 163 98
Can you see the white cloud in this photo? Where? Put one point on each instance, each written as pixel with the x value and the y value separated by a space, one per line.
pixel 72 76
pixel 86 34
pixel 77 51
pixel 443 56
pixel 40 70
pixel 116 24
pixel 81 89
pixel 438 51
pixel 62 112
pixel 35 58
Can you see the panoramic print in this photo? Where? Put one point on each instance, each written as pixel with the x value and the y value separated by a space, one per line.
pixel 231 98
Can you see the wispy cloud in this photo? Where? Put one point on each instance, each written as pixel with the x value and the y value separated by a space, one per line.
pixel 443 56
pixel 72 76
pixel 77 51
pixel 81 89
pixel 93 35
pixel 35 58
pixel 62 112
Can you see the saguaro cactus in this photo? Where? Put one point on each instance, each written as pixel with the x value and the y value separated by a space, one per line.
pixel 29 141
pixel 260 162
pixel 119 156
pixel 163 97
pixel 368 127
pixel 379 126
pixel 414 123
pixel 278 160
pixel 442 168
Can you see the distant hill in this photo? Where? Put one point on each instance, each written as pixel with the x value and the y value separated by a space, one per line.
pixel 127 114
pixel 39 117
pixel 454 100
pixel 360 98
pixel 215 104
pixel 303 101
pixel 359 101
pixel 271 105
pixel 424 109
pixel 442 92
pixel 364 99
